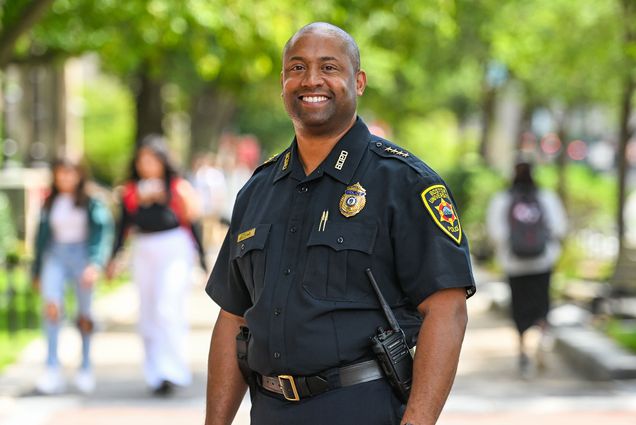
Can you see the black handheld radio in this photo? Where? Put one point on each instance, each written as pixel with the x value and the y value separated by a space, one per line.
pixel 391 349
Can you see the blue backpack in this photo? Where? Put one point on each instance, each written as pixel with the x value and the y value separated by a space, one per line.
pixel 529 233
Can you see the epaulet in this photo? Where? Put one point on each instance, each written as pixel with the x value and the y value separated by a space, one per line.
pixel 387 149
pixel 269 161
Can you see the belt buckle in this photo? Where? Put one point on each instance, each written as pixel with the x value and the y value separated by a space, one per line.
pixel 288 386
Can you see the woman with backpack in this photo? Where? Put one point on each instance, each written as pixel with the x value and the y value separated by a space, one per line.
pixel 72 245
pixel 160 207
pixel 527 225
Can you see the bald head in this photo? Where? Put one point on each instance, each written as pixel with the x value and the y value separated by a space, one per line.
pixel 348 42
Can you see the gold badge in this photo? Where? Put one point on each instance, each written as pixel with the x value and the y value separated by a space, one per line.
pixel 246 235
pixel 439 205
pixel 353 200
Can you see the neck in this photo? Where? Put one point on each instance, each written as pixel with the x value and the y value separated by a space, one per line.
pixel 314 148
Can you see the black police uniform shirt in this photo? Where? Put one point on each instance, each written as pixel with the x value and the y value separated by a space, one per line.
pixel 294 259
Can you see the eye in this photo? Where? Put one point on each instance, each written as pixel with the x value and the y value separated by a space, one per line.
pixel 330 67
pixel 296 67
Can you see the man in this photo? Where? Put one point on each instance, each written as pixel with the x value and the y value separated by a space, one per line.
pixel 305 228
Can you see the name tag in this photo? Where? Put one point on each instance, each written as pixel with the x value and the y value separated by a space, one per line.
pixel 246 235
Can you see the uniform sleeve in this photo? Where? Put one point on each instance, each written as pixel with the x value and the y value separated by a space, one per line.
pixel 225 285
pixel 430 254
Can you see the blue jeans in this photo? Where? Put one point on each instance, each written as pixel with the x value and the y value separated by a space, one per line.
pixel 63 263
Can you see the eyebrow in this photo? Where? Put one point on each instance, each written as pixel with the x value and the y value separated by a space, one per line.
pixel 322 58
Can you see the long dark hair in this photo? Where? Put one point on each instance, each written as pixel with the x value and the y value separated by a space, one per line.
pixel 81 195
pixel 523 179
pixel 157 145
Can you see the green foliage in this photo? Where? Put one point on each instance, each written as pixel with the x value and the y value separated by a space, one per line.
pixel 7 231
pixel 108 129
pixel 623 332
pixel 591 198
pixel 562 51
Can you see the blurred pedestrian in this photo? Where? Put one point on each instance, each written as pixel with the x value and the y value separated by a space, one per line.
pixel 210 185
pixel 72 245
pixel 527 225
pixel 161 207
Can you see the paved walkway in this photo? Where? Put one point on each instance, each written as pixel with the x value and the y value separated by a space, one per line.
pixel 487 389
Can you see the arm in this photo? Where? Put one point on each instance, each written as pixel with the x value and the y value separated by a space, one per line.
pixel 41 240
pixel 100 241
pixel 187 197
pixel 121 230
pixel 436 359
pixel 226 386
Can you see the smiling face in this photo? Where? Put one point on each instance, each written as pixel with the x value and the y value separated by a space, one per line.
pixel 320 82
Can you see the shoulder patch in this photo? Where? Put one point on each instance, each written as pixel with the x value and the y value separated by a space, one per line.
pixel 440 207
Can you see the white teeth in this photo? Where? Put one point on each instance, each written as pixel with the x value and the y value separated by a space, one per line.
pixel 314 99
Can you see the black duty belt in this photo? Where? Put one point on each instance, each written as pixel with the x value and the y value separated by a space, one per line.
pixel 295 388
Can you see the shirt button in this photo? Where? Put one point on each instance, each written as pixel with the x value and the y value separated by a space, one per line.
pixel 287 272
pixel 303 189
pixel 277 311
pixel 378 144
pixel 276 355
pixel 242 247
pixel 340 239
pixel 293 229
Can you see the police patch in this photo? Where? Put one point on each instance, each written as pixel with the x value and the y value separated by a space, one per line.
pixel 438 204
pixel 353 200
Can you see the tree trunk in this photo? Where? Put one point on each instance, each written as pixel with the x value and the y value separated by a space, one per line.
pixel 210 112
pixel 525 126
pixel 624 133
pixel 31 14
pixel 487 114
pixel 148 106
pixel 562 159
pixel 623 139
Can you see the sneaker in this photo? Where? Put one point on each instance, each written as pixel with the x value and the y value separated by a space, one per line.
pixel 85 381
pixel 52 382
pixel 165 389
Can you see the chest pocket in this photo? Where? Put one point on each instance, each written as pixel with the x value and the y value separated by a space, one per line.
pixel 250 255
pixel 336 259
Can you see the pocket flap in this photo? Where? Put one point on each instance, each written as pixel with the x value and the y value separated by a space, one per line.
pixel 345 236
pixel 250 239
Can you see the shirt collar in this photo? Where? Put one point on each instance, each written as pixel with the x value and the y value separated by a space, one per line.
pixel 342 161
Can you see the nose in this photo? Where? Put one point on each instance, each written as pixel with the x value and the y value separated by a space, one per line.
pixel 312 77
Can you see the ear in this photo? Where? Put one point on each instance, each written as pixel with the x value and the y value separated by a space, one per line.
pixel 361 82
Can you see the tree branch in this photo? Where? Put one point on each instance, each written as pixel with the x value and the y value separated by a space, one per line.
pixel 31 14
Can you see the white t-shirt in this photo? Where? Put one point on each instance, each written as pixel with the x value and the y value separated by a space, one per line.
pixel 69 223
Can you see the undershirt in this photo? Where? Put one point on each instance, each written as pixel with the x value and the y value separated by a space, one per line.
pixel 69 223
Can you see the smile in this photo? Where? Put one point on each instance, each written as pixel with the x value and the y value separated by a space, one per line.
pixel 314 99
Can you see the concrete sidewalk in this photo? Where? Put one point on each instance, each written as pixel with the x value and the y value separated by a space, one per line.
pixel 487 389
pixel 121 395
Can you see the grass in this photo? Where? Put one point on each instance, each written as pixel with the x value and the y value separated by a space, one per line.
pixel 623 332
pixel 11 345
